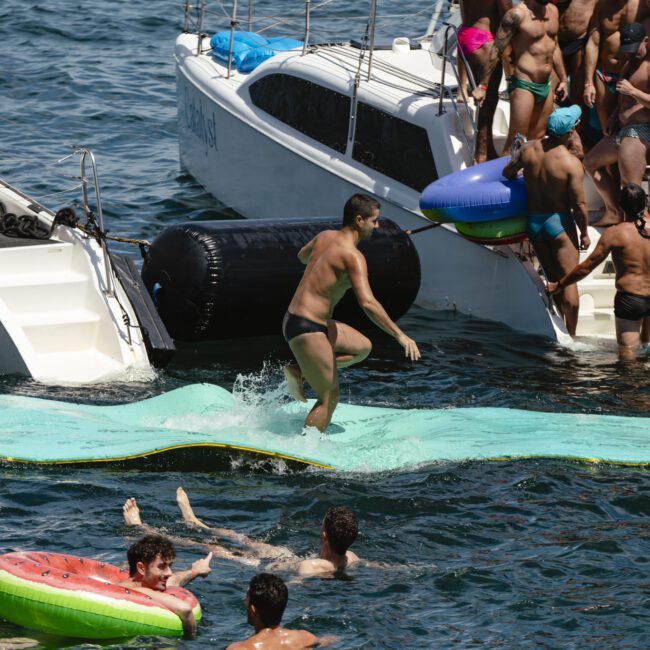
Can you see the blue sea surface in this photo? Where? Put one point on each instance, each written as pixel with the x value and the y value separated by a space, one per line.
pixel 526 554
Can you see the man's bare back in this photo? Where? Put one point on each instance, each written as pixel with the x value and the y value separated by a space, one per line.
pixel 279 638
pixel 551 173
pixel 631 256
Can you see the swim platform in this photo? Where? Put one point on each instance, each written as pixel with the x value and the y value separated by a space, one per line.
pixel 202 418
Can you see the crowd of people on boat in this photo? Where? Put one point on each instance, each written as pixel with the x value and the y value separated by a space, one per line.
pixel 578 83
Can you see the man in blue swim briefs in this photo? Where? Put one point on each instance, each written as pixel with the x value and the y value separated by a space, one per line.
pixel 531 28
pixel 629 244
pixel 556 203
pixel 322 345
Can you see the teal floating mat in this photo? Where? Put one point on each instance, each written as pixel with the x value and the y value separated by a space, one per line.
pixel 364 438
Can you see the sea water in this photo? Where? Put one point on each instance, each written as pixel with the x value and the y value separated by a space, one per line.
pixel 526 554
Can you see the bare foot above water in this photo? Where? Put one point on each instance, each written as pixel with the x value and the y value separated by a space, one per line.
pixel 131 513
pixel 296 382
pixel 186 509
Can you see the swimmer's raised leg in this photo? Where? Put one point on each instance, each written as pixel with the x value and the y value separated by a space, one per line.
pixel 295 381
pixel 186 509
pixel 131 513
pixel 258 549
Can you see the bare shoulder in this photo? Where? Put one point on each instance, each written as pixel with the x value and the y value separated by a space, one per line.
pixel 239 645
pixel 315 567
pixel 513 17
pixel 351 557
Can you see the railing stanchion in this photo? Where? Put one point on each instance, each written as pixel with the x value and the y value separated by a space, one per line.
pixel 233 25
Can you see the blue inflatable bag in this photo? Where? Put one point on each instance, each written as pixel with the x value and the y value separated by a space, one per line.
pixel 478 193
pixel 253 58
pixel 243 43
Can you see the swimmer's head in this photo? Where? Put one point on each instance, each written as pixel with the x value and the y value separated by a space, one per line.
pixel 266 599
pixel 150 559
pixel 340 528
pixel 359 205
pixel 633 201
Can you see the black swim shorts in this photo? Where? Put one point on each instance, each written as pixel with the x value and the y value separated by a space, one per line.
pixel 292 326
pixel 631 307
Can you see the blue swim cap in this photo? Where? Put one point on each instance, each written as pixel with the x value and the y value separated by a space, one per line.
pixel 562 120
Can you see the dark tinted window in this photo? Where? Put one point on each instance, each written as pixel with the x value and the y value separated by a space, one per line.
pixel 318 112
pixel 393 147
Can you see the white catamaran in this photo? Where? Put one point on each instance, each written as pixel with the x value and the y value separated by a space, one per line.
pixel 303 126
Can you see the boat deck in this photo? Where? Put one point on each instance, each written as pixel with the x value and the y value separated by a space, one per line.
pixel 15 242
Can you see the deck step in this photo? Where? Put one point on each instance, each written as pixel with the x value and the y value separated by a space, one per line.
pixel 597 322
pixel 42 258
pixel 65 331
pixel 75 367
pixel 596 294
pixel 44 292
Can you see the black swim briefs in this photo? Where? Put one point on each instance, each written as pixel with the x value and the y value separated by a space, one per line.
pixel 292 326
pixel 631 307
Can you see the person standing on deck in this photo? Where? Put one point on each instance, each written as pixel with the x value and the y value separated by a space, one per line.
pixel 531 28
pixel 575 16
pixel 556 203
pixel 602 58
pixel 627 131
pixel 476 40
pixel 629 244
pixel 322 345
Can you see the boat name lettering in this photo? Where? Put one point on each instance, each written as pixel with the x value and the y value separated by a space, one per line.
pixel 204 128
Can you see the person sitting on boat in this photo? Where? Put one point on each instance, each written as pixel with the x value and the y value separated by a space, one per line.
pixel 627 131
pixel 531 28
pixel 475 40
pixel 629 245
pixel 150 572
pixel 322 345
pixel 556 203
pixel 339 530
pixel 266 600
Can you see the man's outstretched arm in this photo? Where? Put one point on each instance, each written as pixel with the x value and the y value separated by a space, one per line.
pixel 602 250
pixel 358 274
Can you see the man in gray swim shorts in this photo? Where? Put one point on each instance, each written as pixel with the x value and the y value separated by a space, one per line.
pixel 627 132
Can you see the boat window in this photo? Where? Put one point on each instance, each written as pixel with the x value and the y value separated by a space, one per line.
pixel 318 112
pixel 393 147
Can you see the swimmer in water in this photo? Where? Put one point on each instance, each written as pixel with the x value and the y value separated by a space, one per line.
pixel 338 532
pixel 266 599
pixel 150 572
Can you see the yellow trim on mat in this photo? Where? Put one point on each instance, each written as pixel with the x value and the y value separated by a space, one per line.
pixel 146 454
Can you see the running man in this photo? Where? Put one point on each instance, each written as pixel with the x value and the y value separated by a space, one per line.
pixel 629 244
pixel 627 131
pixel 339 530
pixel 476 40
pixel 322 345
pixel 556 203
pixel 150 572
pixel 266 599
pixel 602 58
pixel 531 28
